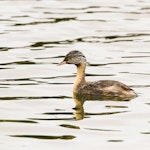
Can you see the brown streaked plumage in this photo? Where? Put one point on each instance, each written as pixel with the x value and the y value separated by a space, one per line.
pixel 101 88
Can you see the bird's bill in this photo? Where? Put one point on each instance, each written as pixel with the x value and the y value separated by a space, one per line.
pixel 61 63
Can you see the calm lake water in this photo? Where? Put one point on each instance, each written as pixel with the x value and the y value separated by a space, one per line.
pixel 36 102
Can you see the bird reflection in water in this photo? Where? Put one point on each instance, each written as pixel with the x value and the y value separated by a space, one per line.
pixel 80 99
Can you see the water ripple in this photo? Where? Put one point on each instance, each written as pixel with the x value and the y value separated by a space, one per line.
pixel 19 63
pixel 103 130
pixel 52 20
pixel 4 48
pixel 46 137
pixel 93 39
pixel 105 113
pixel 33 97
pixel 18 121
pixel 70 126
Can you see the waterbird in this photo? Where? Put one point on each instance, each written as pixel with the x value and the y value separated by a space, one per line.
pixel 98 89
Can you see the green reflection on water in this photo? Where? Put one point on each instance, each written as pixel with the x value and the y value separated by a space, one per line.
pixel 4 48
pixel 145 132
pixel 19 63
pixel 18 121
pixel 69 126
pixel 103 130
pixel 46 137
pixel 34 97
pixel 115 141
pixel 51 20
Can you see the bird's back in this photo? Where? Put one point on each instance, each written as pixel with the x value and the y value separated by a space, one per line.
pixel 106 88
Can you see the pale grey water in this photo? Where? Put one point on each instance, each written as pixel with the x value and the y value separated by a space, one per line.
pixel 36 95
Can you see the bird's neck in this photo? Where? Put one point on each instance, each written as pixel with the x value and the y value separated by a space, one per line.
pixel 80 77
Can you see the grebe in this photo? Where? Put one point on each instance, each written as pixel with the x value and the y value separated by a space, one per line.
pixel 98 89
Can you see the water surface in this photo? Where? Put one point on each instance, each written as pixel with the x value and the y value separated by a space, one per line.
pixel 37 109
